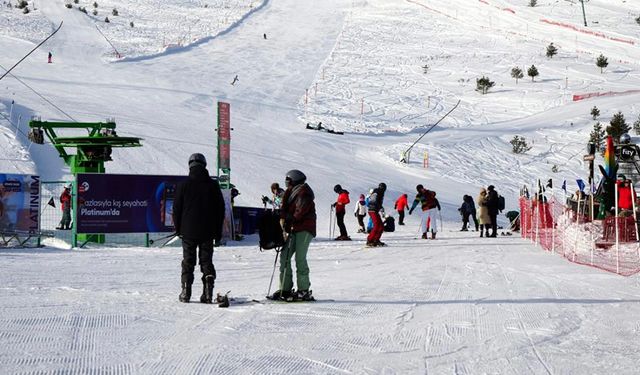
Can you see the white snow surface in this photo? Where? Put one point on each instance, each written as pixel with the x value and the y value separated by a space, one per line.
pixel 454 305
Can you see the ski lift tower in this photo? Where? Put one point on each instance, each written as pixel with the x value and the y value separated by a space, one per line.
pixel 92 151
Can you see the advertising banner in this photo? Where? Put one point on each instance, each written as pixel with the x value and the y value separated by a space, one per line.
pixel 224 136
pixel 115 203
pixel 19 203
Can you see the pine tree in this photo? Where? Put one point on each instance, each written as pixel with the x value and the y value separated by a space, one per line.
pixel 602 62
pixel 533 3
pixel 533 72
pixel 516 73
pixel 636 126
pixel 551 51
pixel 595 112
pixel 114 12
pixel 618 126
pixel 597 136
pixel 484 84
pixel 519 145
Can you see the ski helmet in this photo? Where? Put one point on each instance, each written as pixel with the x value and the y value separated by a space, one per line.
pixel 337 188
pixel 295 177
pixel 382 186
pixel 197 159
pixel 625 138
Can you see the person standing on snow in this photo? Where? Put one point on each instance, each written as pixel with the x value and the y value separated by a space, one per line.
pixel 400 205
pixel 485 219
pixel 198 214
pixel 49 58
pixel 276 200
pixel 376 200
pixel 493 205
pixel 298 221
pixel 467 209
pixel 360 212
pixel 429 205
pixel 65 204
pixel 339 205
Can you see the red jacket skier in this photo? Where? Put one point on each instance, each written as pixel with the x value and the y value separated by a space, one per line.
pixel 341 202
pixel 400 205
pixel 625 194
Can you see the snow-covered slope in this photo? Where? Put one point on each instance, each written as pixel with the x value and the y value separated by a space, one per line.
pixel 357 67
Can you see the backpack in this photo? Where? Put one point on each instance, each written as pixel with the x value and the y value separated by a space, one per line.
pixel 270 231
pixel 501 203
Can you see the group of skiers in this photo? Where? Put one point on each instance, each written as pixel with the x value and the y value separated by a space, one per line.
pixel 198 215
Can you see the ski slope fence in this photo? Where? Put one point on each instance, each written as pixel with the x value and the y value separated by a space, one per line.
pixel 570 233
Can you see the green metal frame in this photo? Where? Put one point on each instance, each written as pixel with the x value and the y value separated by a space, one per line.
pixel 92 151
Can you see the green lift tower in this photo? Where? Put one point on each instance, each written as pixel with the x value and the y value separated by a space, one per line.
pixel 92 151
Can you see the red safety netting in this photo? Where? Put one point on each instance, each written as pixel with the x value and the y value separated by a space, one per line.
pixel 570 233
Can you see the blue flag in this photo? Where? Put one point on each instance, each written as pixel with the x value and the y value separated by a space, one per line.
pixel 564 185
pixel 580 184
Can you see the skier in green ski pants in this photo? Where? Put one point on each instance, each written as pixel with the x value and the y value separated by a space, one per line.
pixel 298 220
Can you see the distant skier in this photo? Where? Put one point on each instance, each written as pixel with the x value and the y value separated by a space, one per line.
pixel 376 199
pixel 49 59
pixel 400 205
pixel 198 214
pixel 276 200
pixel 360 212
pixel 493 205
pixel 235 79
pixel 339 205
pixel 427 200
pixel 468 209
pixel 264 36
pixel 298 221
pixel 485 219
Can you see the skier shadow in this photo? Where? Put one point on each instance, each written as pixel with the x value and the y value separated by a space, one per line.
pixel 483 301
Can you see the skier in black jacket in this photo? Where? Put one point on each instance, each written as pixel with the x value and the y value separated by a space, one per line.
pixel 493 206
pixel 198 214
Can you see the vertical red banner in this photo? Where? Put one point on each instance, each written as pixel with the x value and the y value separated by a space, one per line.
pixel 224 136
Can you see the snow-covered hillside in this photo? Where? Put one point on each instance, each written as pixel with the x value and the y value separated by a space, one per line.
pixel 454 305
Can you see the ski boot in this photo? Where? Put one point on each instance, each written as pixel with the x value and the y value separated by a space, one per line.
pixel 185 295
pixel 424 236
pixel 280 295
pixel 303 295
pixel 207 289
pixel 433 235
pixel 222 299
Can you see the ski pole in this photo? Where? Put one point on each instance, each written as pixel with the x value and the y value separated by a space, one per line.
pixel 162 238
pixel 330 220
pixel 275 262
pixel 287 260
pixel 441 223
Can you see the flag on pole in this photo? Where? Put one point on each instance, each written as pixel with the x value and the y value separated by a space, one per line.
pixel 550 184
pixel 580 184
pixel 52 203
pixel 564 185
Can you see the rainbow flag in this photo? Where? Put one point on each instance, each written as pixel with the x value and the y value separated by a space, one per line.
pixel 609 157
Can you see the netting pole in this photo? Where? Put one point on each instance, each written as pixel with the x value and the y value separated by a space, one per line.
pixel 553 224
pixel 635 215
pixel 617 239
pixel 592 227
pixel 575 241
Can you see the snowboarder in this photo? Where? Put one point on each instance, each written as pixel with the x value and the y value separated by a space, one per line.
pixel 467 209
pixel 429 205
pixel 298 221
pixel 493 206
pixel 376 200
pixel 65 204
pixel 400 205
pixel 360 212
pixel 198 214
pixel 485 219
pixel 277 193
pixel 49 58
pixel 235 79
pixel 339 205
